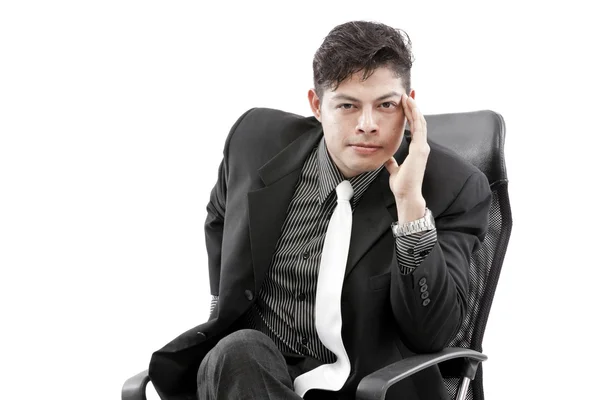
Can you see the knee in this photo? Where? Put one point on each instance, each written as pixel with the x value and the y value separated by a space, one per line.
pixel 240 346
pixel 246 354
pixel 244 341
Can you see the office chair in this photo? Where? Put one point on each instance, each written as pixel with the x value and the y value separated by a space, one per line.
pixel 478 137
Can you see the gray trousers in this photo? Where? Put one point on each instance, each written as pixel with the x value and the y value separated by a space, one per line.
pixel 247 365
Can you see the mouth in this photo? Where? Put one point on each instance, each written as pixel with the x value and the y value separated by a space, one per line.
pixel 365 145
pixel 365 148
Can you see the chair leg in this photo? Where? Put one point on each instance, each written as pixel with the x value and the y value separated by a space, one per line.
pixel 464 387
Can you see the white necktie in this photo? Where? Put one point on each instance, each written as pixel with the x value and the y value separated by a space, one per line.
pixel 328 315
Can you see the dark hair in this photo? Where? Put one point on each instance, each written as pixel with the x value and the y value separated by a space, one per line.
pixel 361 46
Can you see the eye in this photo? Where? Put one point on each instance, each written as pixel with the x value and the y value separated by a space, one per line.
pixel 388 104
pixel 345 106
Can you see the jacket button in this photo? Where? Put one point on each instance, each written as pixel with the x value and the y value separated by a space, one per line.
pixel 422 281
pixel 425 295
pixel 426 302
pixel 305 255
pixel 424 288
pixel 249 294
pixel 301 297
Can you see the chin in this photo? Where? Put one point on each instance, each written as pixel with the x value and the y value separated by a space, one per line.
pixel 362 168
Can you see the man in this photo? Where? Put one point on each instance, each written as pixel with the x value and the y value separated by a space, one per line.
pixel 417 213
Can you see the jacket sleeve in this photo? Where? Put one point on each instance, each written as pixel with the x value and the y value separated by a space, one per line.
pixel 430 304
pixel 213 226
pixel 412 249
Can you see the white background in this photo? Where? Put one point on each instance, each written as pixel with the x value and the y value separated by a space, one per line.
pixel 113 115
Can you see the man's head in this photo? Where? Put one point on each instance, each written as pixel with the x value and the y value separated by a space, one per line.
pixel 360 72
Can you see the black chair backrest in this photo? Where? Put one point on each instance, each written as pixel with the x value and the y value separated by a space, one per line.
pixel 478 137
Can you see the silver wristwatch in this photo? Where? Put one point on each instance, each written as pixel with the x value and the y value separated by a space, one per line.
pixel 420 225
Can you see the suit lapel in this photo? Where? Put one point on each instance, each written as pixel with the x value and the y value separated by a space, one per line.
pixel 374 214
pixel 267 207
pixel 370 219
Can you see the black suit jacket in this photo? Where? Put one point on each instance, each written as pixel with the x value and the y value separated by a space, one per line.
pixel 384 316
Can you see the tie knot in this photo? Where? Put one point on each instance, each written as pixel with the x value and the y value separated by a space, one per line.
pixel 344 191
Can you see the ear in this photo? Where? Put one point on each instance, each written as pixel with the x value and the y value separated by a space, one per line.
pixel 412 93
pixel 315 104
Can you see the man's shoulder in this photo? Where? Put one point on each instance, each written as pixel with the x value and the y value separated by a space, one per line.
pixel 270 126
pixel 262 133
pixel 443 159
pixel 448 172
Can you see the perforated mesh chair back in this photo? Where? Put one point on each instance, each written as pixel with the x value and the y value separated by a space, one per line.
pixel 478 137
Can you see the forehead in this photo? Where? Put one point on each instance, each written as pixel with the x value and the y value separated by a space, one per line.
pixel 381 82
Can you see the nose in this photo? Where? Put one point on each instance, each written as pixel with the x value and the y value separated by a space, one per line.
pixel 366 122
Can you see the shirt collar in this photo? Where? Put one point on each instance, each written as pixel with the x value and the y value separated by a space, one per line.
pixel 330 176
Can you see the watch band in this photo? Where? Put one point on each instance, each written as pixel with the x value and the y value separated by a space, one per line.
pixel 420 225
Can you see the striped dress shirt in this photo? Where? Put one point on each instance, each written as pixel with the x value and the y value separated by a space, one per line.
pixel 284 308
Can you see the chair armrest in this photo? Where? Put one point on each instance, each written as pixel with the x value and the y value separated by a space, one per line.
pixel 375 385
pixel 134 388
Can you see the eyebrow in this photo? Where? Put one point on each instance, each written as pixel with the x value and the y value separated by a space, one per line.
pixel 342 96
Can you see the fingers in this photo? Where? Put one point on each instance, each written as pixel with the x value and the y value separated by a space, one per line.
pixel 406 109
pixel 418 125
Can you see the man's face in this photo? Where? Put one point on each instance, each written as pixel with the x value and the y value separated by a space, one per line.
pixel 363 121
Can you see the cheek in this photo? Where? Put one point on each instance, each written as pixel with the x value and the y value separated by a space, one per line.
pixel 335 132
pixel 397 138
pixel 393 141
pixel 332 137
pixel 394 133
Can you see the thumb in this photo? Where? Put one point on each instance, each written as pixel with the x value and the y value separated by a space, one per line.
pixel 391 165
